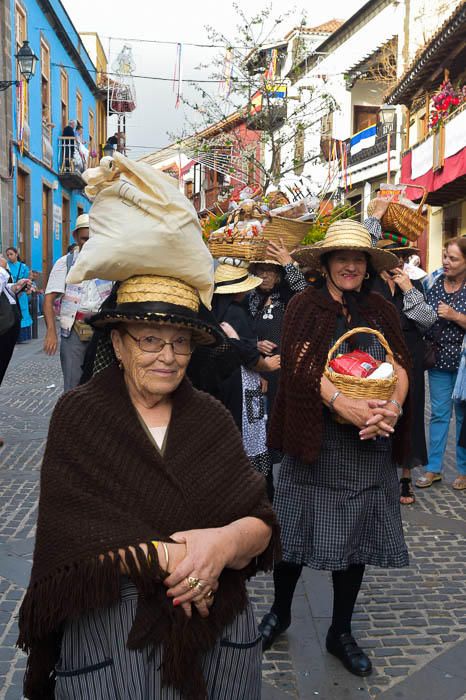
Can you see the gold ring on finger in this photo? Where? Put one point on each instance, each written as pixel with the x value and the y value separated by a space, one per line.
pixel 209 594
pixel 192 582
pixel 200 586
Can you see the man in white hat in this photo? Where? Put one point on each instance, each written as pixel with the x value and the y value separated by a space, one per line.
pixel 78 302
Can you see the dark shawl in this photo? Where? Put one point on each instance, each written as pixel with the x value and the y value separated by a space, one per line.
pixel 230 393
pixel 311 322
pixel 104 487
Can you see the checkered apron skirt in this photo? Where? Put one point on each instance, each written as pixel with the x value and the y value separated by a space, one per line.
pixel 95 663
pixel 344 508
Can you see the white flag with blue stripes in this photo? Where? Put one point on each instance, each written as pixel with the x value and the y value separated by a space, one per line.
pixel 363 139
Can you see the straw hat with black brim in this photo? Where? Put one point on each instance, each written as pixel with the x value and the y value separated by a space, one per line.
pixel 346 235
pixel 393 247
pixel 156 299
pixel 81 222
pixel 234 279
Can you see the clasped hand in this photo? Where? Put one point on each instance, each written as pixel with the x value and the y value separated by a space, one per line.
pixel 374 417
pixel 206 557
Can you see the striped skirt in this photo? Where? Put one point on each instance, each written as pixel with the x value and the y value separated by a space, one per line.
pixel 95 663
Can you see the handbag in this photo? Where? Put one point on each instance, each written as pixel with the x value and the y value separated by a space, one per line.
pixel 430 354
pixel 9 314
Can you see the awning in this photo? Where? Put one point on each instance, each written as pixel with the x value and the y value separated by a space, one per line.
pixel 445 185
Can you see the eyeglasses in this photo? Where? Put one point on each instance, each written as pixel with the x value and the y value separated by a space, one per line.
pixel 150 343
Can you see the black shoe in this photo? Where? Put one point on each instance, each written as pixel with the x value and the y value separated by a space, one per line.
pixel 270 628
pixel 345 648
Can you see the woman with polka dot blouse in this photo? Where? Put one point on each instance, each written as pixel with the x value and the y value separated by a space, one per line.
pixel 448 297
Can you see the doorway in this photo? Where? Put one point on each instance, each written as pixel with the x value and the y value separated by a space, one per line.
pixel 65 224
pixel 22 216
pixel 46 231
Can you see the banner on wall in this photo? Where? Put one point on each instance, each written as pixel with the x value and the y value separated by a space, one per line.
pixel 57 219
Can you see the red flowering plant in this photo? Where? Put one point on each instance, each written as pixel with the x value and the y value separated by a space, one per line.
pixel 444 102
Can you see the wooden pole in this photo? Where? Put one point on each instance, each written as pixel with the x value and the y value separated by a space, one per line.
pixel 389 139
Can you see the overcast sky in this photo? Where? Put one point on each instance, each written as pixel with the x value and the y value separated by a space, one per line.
pixel 181 21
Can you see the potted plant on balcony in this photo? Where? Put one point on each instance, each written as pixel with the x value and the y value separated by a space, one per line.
pixel 444 102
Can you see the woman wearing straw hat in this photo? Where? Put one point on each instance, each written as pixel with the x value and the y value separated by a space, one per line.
pixel 242 391
pixel 337 493
pixel 151 517
pixel 281 279
pixel 416 317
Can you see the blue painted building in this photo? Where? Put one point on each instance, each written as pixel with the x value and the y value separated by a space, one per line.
pixel 47 185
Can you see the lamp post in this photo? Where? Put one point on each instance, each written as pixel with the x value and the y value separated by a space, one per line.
pixel 27 61
pixel 387 117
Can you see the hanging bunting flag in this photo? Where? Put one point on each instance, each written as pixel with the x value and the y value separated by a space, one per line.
pixel 225 85
pixel 178 76
pixel 21 102
pixel 276 90
pixel 272 69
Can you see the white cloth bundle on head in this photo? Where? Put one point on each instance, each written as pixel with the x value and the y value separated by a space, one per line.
pixel 141 224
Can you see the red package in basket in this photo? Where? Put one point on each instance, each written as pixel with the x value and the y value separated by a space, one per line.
pixel 355 364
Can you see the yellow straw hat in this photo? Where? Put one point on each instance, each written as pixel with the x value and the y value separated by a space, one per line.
pixel 346 234
pixel 232 277
pixel 158 299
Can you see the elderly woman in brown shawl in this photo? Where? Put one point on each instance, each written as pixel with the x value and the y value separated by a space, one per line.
pixel 151 519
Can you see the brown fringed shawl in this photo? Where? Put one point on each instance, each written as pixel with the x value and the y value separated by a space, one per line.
pixel 104 487
pixel 309 327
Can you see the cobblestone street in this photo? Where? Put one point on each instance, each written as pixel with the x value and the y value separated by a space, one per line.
pixel 412 621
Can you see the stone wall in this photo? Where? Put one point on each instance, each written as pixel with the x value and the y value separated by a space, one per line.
pixel 6 129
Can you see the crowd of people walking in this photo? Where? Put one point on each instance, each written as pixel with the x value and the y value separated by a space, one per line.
pixel 149 566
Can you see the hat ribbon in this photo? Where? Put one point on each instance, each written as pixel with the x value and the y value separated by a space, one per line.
pixel 228 282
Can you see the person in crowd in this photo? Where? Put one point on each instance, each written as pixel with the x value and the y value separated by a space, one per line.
pixel 242 392
pixel 19 270
pixel 77 304
pixel 82 152
pixel 337 497
pixel 151 517
pixel 113 140
pixel 69 143
pixel 10 323
pixel 281 278
pixel 447 296
pixel 416 317
pixel 36 277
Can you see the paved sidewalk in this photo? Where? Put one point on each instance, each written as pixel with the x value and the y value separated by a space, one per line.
pixel 411 621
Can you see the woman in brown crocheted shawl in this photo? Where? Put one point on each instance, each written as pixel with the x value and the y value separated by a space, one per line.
pixel 151 517
pixel 337 493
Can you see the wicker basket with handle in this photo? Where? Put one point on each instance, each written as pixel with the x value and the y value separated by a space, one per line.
pixel 401 219
pixel 355 387
pixel 238 246
pixel 291 231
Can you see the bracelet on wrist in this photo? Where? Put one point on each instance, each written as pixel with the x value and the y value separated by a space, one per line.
pixel 332 400
pixel 398 405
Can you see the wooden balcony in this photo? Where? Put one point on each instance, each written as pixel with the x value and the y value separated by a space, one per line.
pixel 71 164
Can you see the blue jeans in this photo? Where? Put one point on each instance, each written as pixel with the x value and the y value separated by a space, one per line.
pixel 441 383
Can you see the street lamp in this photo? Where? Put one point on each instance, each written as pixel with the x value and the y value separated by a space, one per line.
pixel 27 61
pixel 387 116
